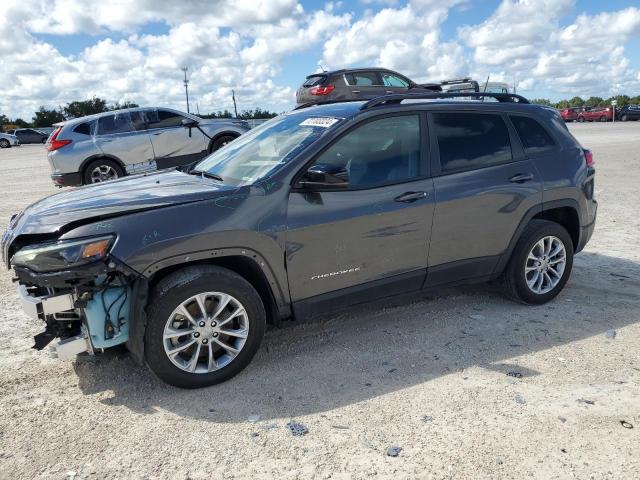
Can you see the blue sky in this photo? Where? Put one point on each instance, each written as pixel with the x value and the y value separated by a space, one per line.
pixel 263 49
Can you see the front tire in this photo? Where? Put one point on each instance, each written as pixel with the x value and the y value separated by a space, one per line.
pixel 205 324
pixel 581 119
pixel 540 264
pixel 624 118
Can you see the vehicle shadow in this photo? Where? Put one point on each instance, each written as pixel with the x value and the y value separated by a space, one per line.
pixel 384 347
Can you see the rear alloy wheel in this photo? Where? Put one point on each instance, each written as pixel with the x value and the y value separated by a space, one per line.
pixel 624 118
pixel 4 143
pixel 581 119
pixel 603 119
pixel 102 170
pixel 205 324
pixel 540 264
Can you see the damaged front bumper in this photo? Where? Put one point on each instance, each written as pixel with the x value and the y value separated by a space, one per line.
pixel 93 314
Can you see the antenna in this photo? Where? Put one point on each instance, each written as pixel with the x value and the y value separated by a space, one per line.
pixel 186 86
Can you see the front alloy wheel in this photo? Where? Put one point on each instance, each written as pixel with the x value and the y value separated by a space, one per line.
pixel 206 332
pixel 204 325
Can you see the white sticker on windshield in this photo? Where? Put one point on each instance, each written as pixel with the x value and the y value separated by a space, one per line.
pixel 325 122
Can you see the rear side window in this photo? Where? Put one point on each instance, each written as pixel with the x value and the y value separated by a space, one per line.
pixel 471 140
pixel 363 79
pixel 314 80
pixel 533 136
pixel 163 119
pixel 83 128
pixel 116 123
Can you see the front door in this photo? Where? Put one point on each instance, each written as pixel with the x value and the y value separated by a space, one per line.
pixel 483 186
pixel 375 229
pixel 174 144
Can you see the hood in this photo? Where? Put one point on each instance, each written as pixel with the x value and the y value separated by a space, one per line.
pixel 110 199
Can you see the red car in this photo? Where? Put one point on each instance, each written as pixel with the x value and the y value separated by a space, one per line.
pixel 596 114
pixel 571 114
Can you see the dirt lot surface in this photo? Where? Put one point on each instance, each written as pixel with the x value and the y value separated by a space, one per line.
pixel 427 374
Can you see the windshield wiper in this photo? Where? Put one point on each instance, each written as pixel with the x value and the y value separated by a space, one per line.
pixel 204 173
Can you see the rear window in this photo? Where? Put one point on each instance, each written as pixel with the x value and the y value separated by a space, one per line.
pixel 314 80
pixel 471 140
pixel 533 136
pixel 83 129
pixel 363 79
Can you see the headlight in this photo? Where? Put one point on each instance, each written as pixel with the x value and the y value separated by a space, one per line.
pixel 63 254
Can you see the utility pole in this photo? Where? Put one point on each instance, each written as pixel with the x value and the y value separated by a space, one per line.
pixel 233 96
pixel 186 86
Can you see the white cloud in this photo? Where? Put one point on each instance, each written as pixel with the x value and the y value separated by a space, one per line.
pixel 243 46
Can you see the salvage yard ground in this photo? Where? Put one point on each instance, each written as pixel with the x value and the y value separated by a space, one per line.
pixel 465 382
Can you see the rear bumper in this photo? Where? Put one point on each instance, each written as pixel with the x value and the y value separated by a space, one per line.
pixel 586 233
pixel 67 179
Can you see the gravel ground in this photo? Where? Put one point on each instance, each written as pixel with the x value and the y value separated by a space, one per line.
pixel 427 374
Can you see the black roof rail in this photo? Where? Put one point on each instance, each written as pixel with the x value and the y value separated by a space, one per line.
pixel 399 97
pixel 328 102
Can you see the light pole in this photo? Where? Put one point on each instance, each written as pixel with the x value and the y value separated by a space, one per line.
pixel 186 86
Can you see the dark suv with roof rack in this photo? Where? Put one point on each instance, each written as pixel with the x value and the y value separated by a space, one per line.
pixel 317 209
pixel 357 84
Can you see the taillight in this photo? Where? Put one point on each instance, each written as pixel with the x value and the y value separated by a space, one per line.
pixel 588 158
pixel 54 143
pixel 326 90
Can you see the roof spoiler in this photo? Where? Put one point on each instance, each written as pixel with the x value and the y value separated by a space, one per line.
pixel 399 97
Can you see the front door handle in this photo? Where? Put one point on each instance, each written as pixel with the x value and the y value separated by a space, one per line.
pixel 355 91
pixel 521 178
pixel 409 197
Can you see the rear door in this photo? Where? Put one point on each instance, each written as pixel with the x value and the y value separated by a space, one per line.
pixel 122 135
pixel 174 144
pixel 364 85
pixel 484 185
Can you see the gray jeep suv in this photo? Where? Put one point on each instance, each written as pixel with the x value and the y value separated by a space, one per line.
pixel 110 145
pixel 314 210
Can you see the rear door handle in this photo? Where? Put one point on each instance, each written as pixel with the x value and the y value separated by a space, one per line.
pixel 409 197
pixel 521 178
pixel 355 91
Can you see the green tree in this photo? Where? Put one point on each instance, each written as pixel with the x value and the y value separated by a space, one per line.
pixel 85 107
pixel 45 117
pixel 21 123
pixel 542 101
pixel 576 102
pixel 120 106
pixel 563 104
pixel 594 102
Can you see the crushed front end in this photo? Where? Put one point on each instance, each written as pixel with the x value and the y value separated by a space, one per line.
pixel 80 293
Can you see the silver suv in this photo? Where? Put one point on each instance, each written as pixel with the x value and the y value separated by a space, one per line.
pixel 113 144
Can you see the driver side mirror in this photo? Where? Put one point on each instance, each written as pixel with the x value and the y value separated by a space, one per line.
pixel 189 123
pixel 325 177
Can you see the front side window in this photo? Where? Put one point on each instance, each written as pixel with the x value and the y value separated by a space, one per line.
pixel 533 136
pixel 467 141
pixel 116 123
pixel 378 152
pixel 264 149
pixel 163 119
pixel 390 80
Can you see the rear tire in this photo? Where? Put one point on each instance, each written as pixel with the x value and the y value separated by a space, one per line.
pixel 624 118
pixel 524 271
pixel 4 143
pixel 580 119
pixel 43 141
pixel 201 291
pixel 220 142
pixel 102 170
pixel 603 119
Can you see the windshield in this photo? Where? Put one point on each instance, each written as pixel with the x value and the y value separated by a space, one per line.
pixel 264 149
